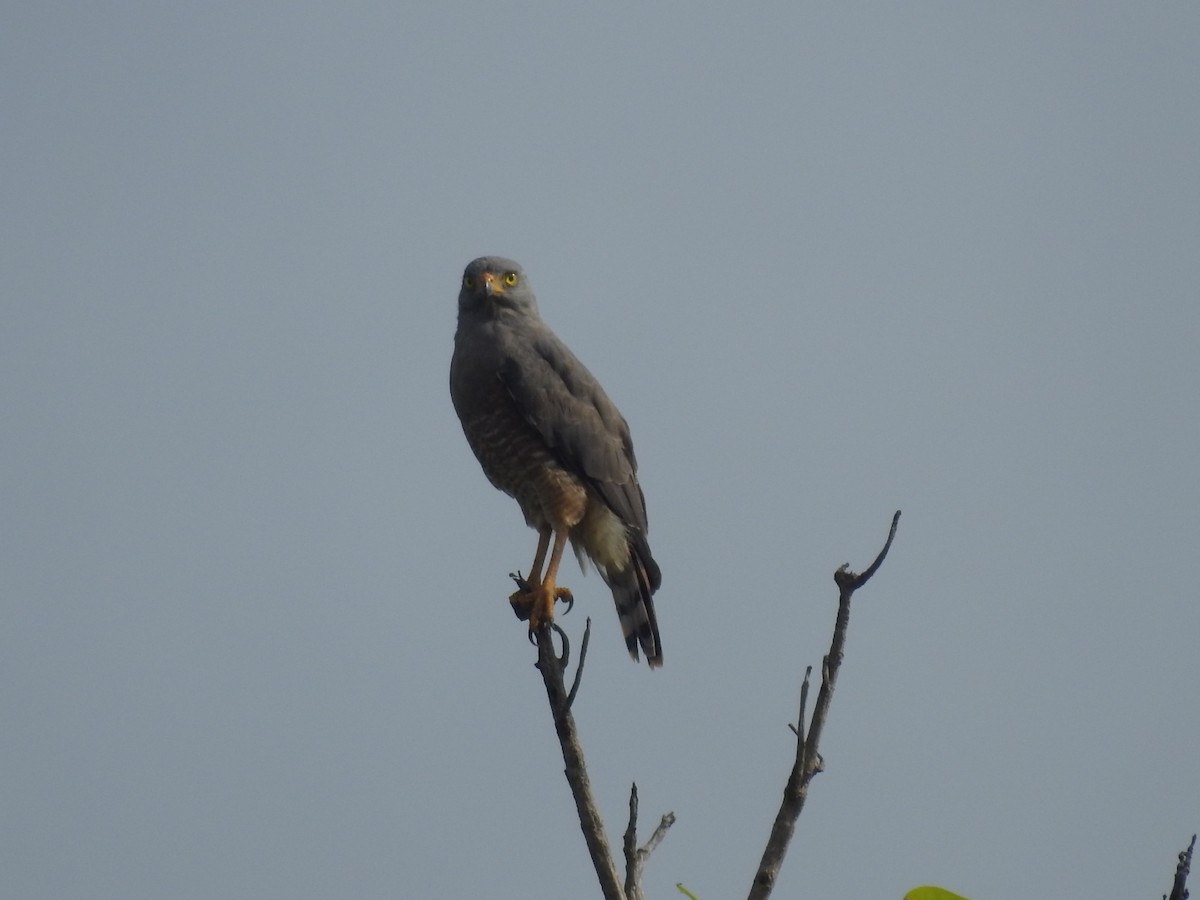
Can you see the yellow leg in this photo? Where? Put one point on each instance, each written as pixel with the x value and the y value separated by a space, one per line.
pixel 535 569
pixel 549 591
pixel 522 599
pixel 535 599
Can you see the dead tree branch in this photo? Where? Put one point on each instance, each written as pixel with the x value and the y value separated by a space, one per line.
pixel 636 857
pixel 581 787
pixel 808 760
pixel 551 666
pixel 1179 889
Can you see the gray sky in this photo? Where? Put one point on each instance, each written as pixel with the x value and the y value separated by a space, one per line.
pixel 830 262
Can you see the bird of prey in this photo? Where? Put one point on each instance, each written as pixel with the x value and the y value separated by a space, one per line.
pixel 545 433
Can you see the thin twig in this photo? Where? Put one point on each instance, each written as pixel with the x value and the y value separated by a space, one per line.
pixel 660 832
pixel 590 821
pixel 808 760
pixel 798 730
pixel 862 579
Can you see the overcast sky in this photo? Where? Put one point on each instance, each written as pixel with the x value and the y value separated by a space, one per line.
pixel 829 261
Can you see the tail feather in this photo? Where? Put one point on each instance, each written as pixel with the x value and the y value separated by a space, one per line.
pixel 632 591
pixel 622 557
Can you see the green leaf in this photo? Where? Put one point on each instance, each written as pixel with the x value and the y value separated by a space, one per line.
pixel 686 892
pixel 928 892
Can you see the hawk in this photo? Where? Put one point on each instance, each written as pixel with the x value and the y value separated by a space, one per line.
pixel 546 434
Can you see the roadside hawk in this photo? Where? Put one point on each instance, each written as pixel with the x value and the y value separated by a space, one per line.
pixel 545 433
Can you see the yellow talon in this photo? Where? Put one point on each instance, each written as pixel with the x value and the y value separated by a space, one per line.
pixel 535 603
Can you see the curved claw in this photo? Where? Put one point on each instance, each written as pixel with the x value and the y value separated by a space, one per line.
pixel 565 595
pixel 534 603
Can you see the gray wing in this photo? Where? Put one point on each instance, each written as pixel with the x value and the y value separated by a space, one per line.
pixel 564 402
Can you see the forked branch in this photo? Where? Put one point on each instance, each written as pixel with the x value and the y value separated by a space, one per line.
pixel 635 856
pixel 808 760
pixel 551 666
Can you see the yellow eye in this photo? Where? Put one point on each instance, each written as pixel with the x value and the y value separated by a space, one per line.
pixel 469 281
pixel 510 279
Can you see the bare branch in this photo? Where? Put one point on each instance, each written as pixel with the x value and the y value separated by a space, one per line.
pixel 632 890
pixel 637 857
pixel 808 760
pixel 1179 889
pixel 660 832
pixel 798 730
pixel 590 821
pixel 860 580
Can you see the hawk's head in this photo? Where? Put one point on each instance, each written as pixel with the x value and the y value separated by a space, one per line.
pixel 492 284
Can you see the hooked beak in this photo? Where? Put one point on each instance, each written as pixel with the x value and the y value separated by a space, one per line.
pixel 491 284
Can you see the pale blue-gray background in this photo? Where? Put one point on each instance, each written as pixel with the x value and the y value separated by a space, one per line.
pixel 831 261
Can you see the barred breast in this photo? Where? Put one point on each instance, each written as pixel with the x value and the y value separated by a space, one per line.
pixel 516 459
